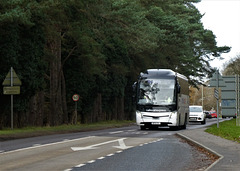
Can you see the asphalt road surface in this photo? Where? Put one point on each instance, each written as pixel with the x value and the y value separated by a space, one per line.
pixel 126 148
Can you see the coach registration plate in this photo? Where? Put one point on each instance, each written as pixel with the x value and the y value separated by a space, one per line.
pixel 156 123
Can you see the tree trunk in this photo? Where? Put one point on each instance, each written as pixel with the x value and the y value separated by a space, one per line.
pixel 120 108
pixel 36 112
pixel 64 100
pixel 97 114
pixel 55 82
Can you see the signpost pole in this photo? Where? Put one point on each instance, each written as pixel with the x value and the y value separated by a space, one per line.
pixel 236 97
pixel 202 96
pixel 76 111
pixel 237 100
pixel 11 86
pixel 238 114
pixel 11 99
pixel 75 98
pixel 217 99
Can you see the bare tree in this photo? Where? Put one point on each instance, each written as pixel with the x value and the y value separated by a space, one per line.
pixel 203 95
pixel 232 67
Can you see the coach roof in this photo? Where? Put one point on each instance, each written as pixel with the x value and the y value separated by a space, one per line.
pixel 156 73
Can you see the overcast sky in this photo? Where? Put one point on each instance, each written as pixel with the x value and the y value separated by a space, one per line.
pixel 223 18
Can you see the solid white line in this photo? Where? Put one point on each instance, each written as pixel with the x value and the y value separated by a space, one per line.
pixel 116 132
pixel 44 145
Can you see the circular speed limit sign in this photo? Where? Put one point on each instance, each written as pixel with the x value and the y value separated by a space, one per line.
pixel 75 97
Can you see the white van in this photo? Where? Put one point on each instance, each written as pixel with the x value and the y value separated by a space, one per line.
pixel 196 114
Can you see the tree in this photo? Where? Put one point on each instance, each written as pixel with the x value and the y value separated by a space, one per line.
pixel 22 45
pixel 96 49
pixel 184 45
pixel 202 95
pixel 232 67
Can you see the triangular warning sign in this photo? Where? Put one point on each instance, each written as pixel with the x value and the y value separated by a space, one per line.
pixel 15 80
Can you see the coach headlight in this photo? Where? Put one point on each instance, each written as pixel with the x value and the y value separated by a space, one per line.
pixel 172 115
pixel 138 113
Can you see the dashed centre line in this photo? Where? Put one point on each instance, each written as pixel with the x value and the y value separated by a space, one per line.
pixel 116 132
pixel 131 131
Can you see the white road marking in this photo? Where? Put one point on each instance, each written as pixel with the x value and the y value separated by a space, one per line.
pixel 44 145
pixel 68 170
pixel 100 158
pixel 92 161
pixel 131 130
pixel 80 165
pixel 83 148
pixel 122 145
pixel 119 151
pixel 116 132
pixel 95 145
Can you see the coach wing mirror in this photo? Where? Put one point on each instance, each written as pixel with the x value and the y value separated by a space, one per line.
pixel 178 88
pixel 134 86
pixel 134 89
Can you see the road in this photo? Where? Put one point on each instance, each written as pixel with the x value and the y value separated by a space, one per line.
pixel 126 148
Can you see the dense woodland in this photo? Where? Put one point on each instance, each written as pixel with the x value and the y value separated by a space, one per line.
pixel 95 48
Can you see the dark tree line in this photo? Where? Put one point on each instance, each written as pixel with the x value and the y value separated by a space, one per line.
pixel 95 48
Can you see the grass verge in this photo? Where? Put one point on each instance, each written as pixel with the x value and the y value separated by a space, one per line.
pixel 227 130
pixel 7 134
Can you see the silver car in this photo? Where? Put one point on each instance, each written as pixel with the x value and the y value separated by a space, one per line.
pixel 196 114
